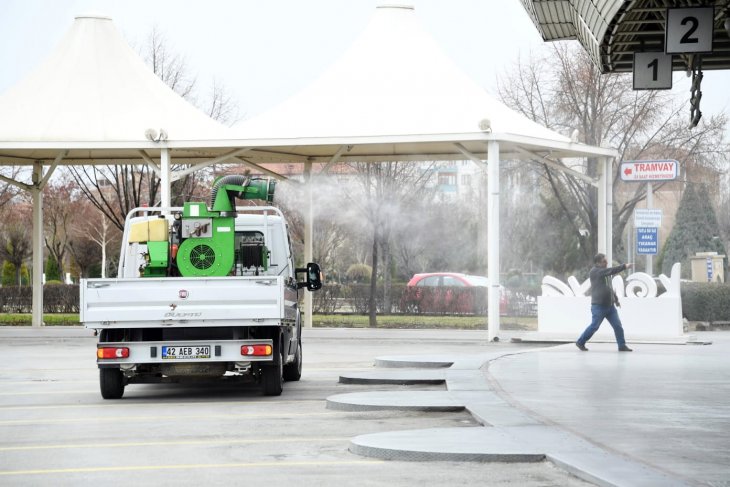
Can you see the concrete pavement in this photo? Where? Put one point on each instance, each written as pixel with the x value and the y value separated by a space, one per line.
pixel 657 416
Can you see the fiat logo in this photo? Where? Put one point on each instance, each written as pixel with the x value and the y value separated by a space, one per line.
pixel 183 294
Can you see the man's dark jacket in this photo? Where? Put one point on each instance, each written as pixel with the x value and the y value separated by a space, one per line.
pixel 601 290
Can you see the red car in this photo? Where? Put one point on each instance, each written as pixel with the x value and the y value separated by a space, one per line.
pixel 435 292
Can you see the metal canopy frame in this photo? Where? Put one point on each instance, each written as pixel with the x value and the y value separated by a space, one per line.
pixel 404 125
pixel 484 148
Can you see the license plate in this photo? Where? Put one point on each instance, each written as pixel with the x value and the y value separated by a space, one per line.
pixel 185 352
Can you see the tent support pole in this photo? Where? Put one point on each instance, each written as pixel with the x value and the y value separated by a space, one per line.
pixel 36 190
pixel 150 163
pixel 37 242
pixel 471 156
pixel 557 166
pixel 308 236
pixel 608 174
pixel 493 246
pixel 165 178
pixel 49 173
pixel 335 158
pixel 256 167
pixel 13 182
pixel 605 203
pixel 231 155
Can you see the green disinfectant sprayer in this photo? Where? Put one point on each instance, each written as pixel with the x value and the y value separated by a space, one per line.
pixel 201 242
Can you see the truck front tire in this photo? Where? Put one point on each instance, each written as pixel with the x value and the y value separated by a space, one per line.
pixel 111 382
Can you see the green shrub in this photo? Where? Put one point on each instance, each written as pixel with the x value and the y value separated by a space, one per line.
pixel 57 298
pixel 359 273
pixel 706 301
pixel 24 275
pixel 327 299
pixel 52 270
pixel 8 278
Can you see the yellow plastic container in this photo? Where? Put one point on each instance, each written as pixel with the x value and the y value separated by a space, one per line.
pixel 153 230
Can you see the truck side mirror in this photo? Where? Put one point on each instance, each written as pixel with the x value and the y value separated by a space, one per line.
pixel 314 277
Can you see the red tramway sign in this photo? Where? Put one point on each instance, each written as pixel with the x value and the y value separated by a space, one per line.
pixel 648 171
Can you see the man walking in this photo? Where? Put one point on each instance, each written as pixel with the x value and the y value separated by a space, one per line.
pixel 602 303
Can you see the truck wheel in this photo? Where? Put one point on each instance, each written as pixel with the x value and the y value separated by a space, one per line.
pixel 293 371
pixel 111 382
pixel 273 375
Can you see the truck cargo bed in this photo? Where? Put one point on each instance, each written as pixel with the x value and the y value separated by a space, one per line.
pixel 180 301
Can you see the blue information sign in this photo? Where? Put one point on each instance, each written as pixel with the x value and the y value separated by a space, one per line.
pixel 709 269
pixel 647 240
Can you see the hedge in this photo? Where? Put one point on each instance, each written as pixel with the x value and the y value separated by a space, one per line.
pixel 354 298
pixel 57 298
pixel 706 301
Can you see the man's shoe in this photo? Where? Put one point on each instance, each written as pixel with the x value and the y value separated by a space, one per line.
pixel 581 347
pixel 625 349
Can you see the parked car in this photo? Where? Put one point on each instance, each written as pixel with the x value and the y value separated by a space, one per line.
pixel 438 292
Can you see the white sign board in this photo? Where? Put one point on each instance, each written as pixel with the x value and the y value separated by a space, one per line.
pixel 647 218
pixel 648 171
pixel 652 71
pixel 689 30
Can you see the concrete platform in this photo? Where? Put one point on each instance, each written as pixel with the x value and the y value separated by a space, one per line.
pixel 395 400
pixel 422 361
pixel 515 444
pixel 557 338
pixel 657 416
pixel 477 444
pixel 395 376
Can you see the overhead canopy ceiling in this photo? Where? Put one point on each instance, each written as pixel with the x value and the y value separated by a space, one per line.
pixel 613 30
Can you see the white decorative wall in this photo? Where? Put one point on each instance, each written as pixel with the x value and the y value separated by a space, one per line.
pixel 565 309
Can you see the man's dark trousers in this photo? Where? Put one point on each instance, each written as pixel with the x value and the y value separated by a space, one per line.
pixel 600 313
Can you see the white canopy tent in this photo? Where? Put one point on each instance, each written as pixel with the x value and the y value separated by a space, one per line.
pixel 92 102
pixel 394 96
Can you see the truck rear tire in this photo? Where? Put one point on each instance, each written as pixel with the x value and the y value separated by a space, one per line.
pixel 272 377
pixel 293 371
pixel 111 382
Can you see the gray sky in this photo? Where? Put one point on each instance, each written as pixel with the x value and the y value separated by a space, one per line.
pixel 265 51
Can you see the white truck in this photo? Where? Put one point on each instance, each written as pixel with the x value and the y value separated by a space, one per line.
pixel 201 294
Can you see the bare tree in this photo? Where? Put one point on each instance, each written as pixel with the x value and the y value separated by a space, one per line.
pixel 605 111
pixel 220 104
pixel 15 239
pixel 91 238
pixel 168 65
pixel 115 190
pixel 61 201
pixel 385 187
pixel 7 191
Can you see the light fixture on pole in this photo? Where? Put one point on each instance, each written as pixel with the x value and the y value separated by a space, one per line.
pixel 152 135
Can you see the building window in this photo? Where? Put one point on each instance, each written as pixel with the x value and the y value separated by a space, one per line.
pixel 447 179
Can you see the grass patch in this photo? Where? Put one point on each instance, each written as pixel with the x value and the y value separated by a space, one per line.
pixel 50 319
pixel 423 322
pixel 330 321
